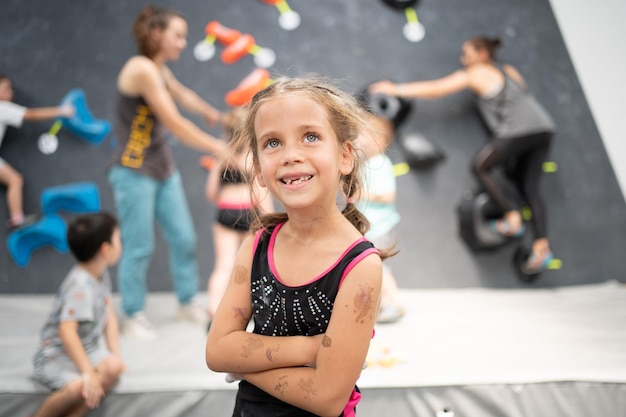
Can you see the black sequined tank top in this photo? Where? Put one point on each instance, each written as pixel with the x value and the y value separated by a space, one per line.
pixel 282 310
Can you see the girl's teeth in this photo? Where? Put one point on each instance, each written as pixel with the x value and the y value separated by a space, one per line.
pixel 298 181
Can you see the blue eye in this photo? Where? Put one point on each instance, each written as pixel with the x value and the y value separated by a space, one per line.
pixel 311 137
pixel 272 143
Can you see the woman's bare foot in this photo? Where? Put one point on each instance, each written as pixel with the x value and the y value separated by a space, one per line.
pixel 510 224
pixel 541 251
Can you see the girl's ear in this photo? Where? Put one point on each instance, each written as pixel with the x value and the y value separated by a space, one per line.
pixel 259 178
pixel 257 170
pixel 347 159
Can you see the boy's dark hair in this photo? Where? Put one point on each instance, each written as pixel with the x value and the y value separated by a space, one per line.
pixel 87 233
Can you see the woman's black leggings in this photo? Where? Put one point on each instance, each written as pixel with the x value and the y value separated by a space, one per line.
pixel 526 154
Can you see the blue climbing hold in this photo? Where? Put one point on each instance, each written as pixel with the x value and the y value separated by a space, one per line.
pixel 82 197
pixel 49 230
pixel 83 124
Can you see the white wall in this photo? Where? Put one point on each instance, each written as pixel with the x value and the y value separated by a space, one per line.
pixel 595 35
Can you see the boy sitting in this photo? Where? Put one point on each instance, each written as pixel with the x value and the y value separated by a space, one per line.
pixel 70 359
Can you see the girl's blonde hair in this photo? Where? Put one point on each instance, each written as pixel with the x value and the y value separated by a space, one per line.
pixel 348 119
pixel 232 122
pixel 149 18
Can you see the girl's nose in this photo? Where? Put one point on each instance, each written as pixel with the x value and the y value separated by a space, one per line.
pixel 292 153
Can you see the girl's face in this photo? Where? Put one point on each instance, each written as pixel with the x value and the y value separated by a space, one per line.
pixel 6 90
pixel 470 55
pixel 173 39
pixel 300 160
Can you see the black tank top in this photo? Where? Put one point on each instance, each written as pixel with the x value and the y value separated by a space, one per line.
pixel 281 310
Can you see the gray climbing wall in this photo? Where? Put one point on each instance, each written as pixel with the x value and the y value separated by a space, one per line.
pixel 49 48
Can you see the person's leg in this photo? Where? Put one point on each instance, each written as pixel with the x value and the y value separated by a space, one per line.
pixel 109 371
pixel 15 183
pixel 69 400
pixel 528 180
pixel 492 154
pixel 134 196
pixel 391 310
pixel 59 374
pixel 64 401
pixel 226 243
pixel 176 223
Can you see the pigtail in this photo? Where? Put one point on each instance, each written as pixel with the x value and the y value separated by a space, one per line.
pixel 351 183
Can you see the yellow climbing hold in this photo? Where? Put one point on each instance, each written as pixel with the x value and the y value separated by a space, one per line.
pixel 549 166
pixel 400 169
pixel 555 264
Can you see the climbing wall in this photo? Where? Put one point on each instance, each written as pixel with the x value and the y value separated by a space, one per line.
pixel 50 48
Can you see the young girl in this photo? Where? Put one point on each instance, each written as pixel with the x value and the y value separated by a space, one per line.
pixel 521 127
pixel 308 278
pixel 227 188
pixel 146 184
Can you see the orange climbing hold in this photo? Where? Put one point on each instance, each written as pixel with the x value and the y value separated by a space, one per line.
pixel 254 82
pixel 272 2
pixel 207 162
pixel 235 51
pixel 222 33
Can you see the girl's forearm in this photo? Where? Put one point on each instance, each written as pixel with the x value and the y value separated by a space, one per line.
pixel 241 352
pixel 301 387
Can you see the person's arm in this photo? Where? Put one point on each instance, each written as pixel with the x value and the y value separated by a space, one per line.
pixel 230 348
pixel 112 331
pixel 516 76
pixel 45 113
pixel 382 198
pixel 325 389
pixel 92 389
pixel 433 89
pixel 147 81
pixel 191 101
pixel 212 188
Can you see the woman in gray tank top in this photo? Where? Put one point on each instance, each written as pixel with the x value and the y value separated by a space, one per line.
pixel 146 185
pixel 522 133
